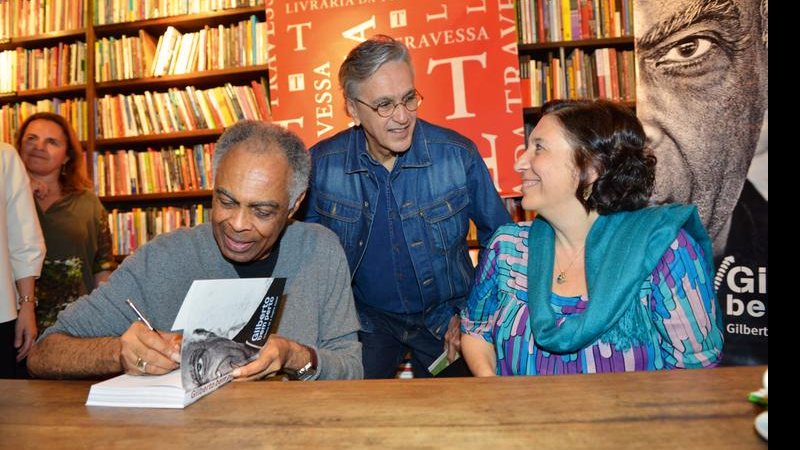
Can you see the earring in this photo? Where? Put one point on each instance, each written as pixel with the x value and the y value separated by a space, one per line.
pixel 64 169
pixel 587 192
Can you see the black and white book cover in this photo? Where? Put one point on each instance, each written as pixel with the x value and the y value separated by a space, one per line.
pixel 224 323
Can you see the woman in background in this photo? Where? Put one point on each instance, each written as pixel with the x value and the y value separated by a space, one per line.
pixel 598 281
pixel 74 223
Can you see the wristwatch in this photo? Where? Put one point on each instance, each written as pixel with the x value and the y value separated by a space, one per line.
pixel 306 372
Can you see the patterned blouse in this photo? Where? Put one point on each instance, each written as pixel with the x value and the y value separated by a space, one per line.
pixel 78 244
pixel 678 299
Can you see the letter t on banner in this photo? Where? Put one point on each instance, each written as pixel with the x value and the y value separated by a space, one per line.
pixel 463 53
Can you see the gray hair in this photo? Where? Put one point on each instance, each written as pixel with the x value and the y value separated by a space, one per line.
pixel 367 57
pixel 263 137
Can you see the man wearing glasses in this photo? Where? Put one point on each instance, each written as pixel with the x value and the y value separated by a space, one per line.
pixel 399 192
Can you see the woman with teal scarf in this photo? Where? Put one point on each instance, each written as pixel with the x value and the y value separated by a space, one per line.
pixel 599 281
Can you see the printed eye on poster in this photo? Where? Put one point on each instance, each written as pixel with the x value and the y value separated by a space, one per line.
pixel 464 54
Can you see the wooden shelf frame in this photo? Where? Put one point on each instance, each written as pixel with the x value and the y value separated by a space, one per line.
pixel 92 89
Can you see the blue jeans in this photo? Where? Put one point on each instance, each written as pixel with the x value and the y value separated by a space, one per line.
pixel 386 337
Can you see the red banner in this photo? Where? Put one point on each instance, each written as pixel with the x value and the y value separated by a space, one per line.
pixel 464 53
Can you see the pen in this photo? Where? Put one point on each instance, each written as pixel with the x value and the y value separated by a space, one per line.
pixel 140 316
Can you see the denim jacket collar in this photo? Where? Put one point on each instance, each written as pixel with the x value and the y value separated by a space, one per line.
pixel 417 156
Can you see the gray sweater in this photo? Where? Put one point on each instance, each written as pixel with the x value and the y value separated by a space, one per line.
pixel 318 308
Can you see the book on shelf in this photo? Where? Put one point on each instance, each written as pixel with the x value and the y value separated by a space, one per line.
pixel 572 20
pixel 132 229
pixel 224 324
pixel 178 110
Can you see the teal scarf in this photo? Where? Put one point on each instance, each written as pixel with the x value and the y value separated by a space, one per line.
pixel 622 249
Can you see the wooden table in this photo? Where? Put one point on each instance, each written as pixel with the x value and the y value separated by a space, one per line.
pixel 676 410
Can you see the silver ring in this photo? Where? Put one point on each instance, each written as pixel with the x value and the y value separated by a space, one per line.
pixel 141 364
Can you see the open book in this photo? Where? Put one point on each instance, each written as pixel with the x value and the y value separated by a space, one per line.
pixel 224 323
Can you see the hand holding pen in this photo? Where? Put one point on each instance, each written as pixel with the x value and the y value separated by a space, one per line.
pixel 145 350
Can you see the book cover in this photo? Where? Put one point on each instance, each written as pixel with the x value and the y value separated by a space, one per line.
pixel 224 324
pixel 441 363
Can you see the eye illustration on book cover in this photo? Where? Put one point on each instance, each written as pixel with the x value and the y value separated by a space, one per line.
pixel 210 356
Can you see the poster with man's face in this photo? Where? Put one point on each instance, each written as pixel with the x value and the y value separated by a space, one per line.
pixel 702 95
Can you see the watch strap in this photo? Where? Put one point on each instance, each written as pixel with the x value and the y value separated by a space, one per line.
pixel 314 360
pixel 28 299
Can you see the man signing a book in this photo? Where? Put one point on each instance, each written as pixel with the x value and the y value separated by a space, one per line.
pixel 261 174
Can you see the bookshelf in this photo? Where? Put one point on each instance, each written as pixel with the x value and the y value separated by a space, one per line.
pixel 563 48
pixel 577 49
pixel 110 122
pixel 550 30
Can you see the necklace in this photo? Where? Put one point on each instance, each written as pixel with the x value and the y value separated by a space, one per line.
pixel 561 278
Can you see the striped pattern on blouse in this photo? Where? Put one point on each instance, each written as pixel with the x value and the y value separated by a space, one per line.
pixel 677 297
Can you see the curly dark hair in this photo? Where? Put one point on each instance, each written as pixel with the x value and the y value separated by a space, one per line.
pixel 608 138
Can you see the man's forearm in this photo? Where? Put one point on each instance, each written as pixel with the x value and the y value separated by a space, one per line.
pixel 62 356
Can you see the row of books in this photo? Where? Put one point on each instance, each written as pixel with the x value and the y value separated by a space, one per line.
pixel 241 44
pixel 115 11
pixel 74 110
pixel 132 229
pixel 124 58
pixel 148 113
pixel 180 110
pixel 43 68
pixel 127 172
pixel 572 20
pixel 20 18
pixel 128 57
pixel 605 73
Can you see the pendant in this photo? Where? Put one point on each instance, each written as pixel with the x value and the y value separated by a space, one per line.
pixel 561 278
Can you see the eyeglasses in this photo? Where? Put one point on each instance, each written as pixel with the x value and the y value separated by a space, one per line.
pixel 386 108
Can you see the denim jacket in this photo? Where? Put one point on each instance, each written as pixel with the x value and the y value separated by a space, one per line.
pixel 444 183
